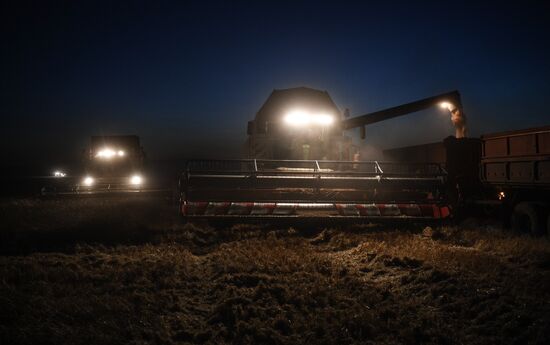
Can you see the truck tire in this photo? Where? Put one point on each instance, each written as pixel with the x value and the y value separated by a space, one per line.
pixel 526 218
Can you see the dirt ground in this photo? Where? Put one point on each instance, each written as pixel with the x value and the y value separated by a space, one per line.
pixel 91 271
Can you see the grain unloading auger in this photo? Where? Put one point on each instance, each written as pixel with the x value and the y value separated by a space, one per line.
pixel 275 189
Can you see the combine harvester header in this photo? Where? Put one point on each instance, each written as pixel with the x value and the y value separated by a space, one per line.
pixel 292 188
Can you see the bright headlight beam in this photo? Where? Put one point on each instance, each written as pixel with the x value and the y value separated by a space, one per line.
pixel 136 180
pixel 324 119
pixel 88 181
pixel 106 153
pixel 109 153
pixel 303 118
pixel 298 117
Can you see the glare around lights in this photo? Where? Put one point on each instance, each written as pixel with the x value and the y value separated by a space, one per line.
pixel 446 105
pixel 106 153
pixel 136 180
pixel 297 117
pixel 323 119
pixel 88 181
pixel 303 118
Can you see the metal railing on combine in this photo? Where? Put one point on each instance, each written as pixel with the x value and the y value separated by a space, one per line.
pixel 340 188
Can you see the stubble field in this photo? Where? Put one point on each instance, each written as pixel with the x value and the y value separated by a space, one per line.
pixel 128 270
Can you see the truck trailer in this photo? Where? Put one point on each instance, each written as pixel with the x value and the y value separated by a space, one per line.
pixel 505 173
pixel 515 167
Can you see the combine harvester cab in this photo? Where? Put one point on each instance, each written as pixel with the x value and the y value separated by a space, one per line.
pixel 274 189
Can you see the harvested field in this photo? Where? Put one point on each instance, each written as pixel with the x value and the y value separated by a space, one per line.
pixel 89 271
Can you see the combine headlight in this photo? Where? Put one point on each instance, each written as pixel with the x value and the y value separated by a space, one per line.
pixel 136 180
pixel 58 173
pixel 323 119
pixel 297 118
pixel 304 118
pixel 106 153
pixel 88 181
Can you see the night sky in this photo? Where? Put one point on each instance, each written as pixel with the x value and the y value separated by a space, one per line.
pixel 188 77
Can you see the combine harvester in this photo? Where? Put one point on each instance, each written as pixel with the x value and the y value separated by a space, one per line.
pixel 112 165
pixel 302 165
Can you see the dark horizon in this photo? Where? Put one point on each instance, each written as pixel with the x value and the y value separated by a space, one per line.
pixel 186 78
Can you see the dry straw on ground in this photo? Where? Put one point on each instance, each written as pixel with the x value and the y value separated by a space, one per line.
pixel 128 271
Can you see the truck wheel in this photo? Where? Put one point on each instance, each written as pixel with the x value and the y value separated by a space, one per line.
pixel 526 218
